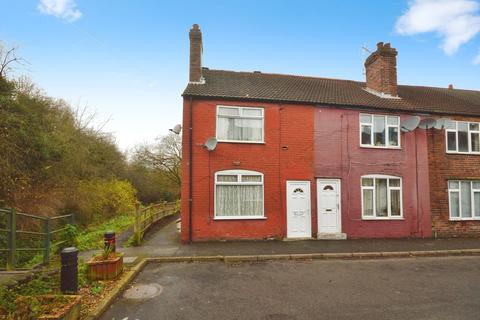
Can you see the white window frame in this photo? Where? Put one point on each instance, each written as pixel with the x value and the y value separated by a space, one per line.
pixel 239 174
pixel 240 116
pixel 389 188
pixel 459 191
pixel 456 138
pixel 387 126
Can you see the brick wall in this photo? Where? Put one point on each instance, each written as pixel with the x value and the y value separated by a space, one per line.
pixel 287 154
pixel 338 155
pixel 444 167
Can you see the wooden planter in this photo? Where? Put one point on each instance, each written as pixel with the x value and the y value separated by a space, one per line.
pixel 66 309
pixel 104 269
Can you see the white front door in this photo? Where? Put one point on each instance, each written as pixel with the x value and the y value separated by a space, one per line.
pixel 299 220
pixel 328 206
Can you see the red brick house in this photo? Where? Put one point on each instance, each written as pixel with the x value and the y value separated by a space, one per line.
pixel 304 157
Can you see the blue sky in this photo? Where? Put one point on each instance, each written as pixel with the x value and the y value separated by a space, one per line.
pixel 128 60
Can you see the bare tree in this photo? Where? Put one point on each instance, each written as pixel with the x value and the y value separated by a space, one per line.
pixel 9 58
pixel 164 155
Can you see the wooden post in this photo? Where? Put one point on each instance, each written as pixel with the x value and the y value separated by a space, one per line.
pixel 46 230
pixel 12 244
pixel 137 228
pixel 71 219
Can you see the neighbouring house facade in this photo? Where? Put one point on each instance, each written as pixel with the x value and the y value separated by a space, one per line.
pixel 270 156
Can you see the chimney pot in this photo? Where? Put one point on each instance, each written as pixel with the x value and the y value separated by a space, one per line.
pixel 381 70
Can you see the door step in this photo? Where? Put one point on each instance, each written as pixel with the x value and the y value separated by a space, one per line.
pixel 332 236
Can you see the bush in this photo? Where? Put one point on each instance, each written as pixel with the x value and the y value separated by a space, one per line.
pixel 98 200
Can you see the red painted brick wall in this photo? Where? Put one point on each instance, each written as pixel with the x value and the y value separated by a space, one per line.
pixel 444 167
pixel 287 154
pixel 338 155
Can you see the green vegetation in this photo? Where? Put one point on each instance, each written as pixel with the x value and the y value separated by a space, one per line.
pixel 55 161
pixel 92 237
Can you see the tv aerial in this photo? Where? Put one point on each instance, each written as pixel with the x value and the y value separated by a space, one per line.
pixel 410 124
pixel 365 52
pixel 210 144
pixel 427 123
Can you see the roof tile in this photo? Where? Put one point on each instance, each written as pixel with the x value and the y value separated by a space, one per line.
pixel 310 90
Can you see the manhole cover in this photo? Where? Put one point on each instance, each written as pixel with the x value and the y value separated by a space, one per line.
pixel 143 291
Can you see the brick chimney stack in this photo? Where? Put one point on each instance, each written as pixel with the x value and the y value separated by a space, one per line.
pixel 196 49
pixel 381 69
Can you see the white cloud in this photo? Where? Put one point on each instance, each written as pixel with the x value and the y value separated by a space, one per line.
pixel 64 9
pixel 476 60
pixel 455 21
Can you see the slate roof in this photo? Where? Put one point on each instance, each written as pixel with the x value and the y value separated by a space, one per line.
pixel 309 90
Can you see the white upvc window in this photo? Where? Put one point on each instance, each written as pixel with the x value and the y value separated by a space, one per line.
pixel 381 197
pixel 462 137
pixel 238 195
pixel 377 131
pixel 464 199
pixel 240 124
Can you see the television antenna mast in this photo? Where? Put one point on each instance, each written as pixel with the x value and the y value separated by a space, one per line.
pixel 365 53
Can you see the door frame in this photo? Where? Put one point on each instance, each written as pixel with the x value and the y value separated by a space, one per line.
pixel 309 208
pixel 339 214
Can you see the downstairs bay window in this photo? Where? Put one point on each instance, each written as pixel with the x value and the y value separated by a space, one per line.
pixel 238 195
pixel 381 197
pixel 464 199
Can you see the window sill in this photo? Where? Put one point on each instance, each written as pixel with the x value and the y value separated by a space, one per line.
pixel 464 153
pixel 464 219
pixel 239 218
pixel 383 219
pixel 237 141
pixel 386 148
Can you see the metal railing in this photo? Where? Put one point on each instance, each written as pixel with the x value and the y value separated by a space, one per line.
pixel 148 216
pixel 46 224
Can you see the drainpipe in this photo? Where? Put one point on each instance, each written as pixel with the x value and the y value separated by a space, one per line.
pixel 190 192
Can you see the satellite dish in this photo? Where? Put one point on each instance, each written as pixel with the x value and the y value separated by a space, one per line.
pixel 210 144
pixel 442 123
pixel 177 129
pixel 427 123
pixel 409 124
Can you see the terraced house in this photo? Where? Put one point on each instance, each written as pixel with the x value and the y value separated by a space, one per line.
pixel 282 156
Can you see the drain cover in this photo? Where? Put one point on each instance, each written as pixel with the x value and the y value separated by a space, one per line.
pixel 143 291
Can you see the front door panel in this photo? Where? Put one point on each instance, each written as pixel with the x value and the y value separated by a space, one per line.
pixel 328 206
pixel 299 224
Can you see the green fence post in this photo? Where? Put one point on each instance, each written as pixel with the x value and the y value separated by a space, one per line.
pixel 46 230
pixel 12 245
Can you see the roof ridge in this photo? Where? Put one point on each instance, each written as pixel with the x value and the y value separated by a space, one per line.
pixel 282 75
pixel 333 79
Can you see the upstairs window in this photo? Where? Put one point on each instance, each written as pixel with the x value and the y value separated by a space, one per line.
pixel 379 131
pixel 238 195
pixel 239 124
pixel 464 200
pixel 462 137
pixel 381 197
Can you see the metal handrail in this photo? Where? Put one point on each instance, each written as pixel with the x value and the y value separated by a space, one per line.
pixel 12 231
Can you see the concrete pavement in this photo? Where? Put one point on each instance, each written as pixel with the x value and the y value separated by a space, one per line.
pixel 163 241
pixel 427 288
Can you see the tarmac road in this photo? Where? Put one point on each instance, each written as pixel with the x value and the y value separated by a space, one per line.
pixel 411 288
